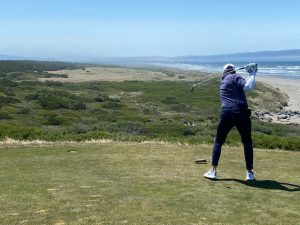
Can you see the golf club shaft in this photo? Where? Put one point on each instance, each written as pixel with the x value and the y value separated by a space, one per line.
pixel 215 77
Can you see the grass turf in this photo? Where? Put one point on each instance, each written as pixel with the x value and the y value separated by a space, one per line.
pixel 145 184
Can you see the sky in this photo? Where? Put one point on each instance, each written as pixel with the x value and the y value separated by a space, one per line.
pixel 91 29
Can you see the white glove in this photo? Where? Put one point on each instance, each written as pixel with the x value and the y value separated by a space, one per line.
pixel 251 68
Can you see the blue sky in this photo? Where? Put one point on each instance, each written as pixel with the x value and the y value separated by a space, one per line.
pixel 90 29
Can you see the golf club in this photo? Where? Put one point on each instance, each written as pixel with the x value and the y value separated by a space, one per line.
pixel 254 65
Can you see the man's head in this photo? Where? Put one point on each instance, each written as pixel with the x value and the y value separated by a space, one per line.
pixel 229 68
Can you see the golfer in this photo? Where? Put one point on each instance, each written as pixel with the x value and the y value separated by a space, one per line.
pixel 234 112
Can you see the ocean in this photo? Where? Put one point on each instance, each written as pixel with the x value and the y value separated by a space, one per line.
pixel 288 70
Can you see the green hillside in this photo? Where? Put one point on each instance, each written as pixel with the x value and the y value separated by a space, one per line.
pixel 129 110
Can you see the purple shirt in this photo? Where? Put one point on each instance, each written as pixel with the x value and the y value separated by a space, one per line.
pixel 232 93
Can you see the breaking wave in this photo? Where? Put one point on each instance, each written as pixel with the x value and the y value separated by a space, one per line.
pixel 282 69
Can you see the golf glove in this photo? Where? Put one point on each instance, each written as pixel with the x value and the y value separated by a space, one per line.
pixel 251 68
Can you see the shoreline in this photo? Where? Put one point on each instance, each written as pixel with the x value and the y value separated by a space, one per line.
pixel 287 86
pixel 292 89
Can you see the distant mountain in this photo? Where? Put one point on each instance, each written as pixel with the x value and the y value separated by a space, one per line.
pixel 131 60
pixel 9 57
pixel 282 55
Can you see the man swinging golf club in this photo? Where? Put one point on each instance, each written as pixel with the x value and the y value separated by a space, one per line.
pixel 234 112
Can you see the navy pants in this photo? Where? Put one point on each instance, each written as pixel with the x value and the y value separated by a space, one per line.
pixel 240 118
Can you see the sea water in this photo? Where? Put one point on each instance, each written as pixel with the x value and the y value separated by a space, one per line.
pixel 290 70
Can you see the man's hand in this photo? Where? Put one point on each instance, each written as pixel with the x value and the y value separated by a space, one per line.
pixel 251 68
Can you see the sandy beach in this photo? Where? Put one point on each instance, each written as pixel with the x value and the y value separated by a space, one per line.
pixel 289 86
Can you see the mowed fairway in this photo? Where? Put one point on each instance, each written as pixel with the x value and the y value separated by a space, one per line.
pixel 128 183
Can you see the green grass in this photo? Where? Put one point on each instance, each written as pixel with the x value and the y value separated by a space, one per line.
pixel 145 184
pixel 129 110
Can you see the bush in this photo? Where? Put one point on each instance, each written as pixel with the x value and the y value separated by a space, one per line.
pixel 54 120
pixel 52 102
pixel 23 111
pixel 190 131
pixel 50 75
pixel 80 129
pixel 38 66
pixel 19 132
pixel 31 97
pixel 57 99
pixel 78 106
pixel 101 98
pixel 113 104
pixel 170 100
pixel 7 91
pixel 8 100
pixel 51 83
pixel 7 83
pixel 99 111
pixel 133 128
pixel 4 116
pixel 263 129
pixel 273 142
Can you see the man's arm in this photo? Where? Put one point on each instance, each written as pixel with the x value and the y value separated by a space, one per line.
pixel 250 82
pixel 251 68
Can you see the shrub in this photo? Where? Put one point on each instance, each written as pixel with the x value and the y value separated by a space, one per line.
pixel 50 75
pixel 80 129
pixel 52 102
pixel 101 98
pixel 38 66
pixel 53 119
pixel 23 111
pixel 7 91
pixel 8 100
pixel 19 132
pixel 7 83
pixel 190 131
pixel 112 104
pixel 99 111
pixel 4 116
pixel 57 99
pixel 170 100
pixel 94 86
pixel 263 129
pixel 78 106
pixel 51 83
pixel 133 128
pixel 31 97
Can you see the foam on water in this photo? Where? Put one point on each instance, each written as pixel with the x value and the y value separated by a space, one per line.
pixel 282 69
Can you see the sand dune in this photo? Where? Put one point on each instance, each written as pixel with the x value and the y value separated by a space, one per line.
pixel 289 86
pixel 125 74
